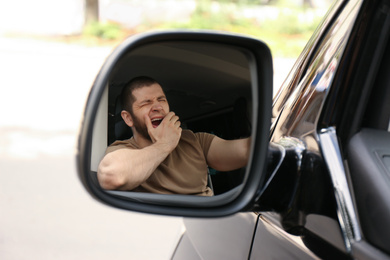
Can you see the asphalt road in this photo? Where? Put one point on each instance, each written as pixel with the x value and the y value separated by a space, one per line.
pixel 45 211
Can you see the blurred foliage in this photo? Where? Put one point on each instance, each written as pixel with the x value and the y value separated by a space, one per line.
pixel 284 26
pixel 286 33
pixel 107 31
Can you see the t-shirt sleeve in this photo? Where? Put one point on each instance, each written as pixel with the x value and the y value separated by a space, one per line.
pixel 205 140
pixel 120 145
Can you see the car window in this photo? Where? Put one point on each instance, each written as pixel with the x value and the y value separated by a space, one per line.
pixel 368 150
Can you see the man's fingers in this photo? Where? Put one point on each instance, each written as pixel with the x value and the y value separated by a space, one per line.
pixel 174 119
pixel 169 116
pixel 148 122
pixel 177 123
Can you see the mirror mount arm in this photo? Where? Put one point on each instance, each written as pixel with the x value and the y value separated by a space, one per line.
pixel 275 158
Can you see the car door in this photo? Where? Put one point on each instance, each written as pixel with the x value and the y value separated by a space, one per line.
pixel 334 125
pixel 270 239
pixel 364 132
pixel 360 119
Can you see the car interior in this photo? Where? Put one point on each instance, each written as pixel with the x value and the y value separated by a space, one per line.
pixel 369 154
pixel 207 85
pixel 364 129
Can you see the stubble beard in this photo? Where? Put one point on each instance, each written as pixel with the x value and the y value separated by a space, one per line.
pixel 140 128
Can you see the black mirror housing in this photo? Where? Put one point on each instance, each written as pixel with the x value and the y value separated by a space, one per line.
pixel 242 197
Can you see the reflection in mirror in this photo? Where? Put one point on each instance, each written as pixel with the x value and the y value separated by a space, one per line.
pixel 208 86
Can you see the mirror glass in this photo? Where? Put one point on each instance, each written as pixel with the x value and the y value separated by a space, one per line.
pixel 208 85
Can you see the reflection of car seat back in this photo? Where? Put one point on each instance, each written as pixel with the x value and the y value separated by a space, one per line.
pixel 241 127
pixel 122 131
pixel 241 122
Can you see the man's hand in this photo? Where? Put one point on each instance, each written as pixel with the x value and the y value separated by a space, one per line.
pixel 117 172
pixel 167 133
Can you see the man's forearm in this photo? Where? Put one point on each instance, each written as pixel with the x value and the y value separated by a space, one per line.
pixel 227 155
pixel 126 169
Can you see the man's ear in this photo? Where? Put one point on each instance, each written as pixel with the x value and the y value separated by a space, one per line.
pixel 127 118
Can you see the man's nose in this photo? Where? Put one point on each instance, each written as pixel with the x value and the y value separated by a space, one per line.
pixel 156 106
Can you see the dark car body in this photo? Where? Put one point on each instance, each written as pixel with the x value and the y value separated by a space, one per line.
pixel 330 195
pixel 330 198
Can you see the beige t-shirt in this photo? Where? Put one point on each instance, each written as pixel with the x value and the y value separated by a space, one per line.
pixel 184 171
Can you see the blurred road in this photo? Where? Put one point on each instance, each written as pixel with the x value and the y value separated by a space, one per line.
pixel 45 212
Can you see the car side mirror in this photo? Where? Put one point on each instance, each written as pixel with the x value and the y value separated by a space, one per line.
pixel 217 83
